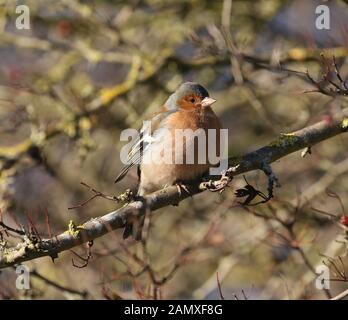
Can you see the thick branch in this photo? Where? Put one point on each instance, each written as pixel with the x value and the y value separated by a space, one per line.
pixel 341 296
pixel 97 227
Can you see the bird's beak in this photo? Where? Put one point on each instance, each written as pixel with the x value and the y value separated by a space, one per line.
pixel 207 102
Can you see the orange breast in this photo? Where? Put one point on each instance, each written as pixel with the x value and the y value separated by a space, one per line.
pixel 197 119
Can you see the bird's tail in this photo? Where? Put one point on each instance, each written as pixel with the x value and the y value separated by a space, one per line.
pixel 134 227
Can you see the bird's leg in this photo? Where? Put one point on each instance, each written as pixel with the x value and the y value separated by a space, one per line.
pixel 181 187
pixel 218 185
pixel 126 196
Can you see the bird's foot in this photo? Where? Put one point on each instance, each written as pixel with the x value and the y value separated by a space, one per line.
pixel 127 196
pixel 182 187
pixel 218 185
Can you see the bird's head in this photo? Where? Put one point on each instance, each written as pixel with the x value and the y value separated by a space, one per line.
pixel 190 96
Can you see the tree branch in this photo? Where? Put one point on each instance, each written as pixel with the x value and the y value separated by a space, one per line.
pixel 76 235
pixel 341 296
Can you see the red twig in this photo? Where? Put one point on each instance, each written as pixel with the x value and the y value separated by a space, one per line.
pixel 219 286
pixel 47 219
pixel 96 195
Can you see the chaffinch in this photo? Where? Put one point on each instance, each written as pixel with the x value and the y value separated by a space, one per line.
pixel 189 107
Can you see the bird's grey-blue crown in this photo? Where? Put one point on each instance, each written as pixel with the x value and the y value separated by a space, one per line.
pixel 185 89
pixel 193 87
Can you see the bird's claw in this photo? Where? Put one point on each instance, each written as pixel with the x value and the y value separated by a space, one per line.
pixel 127 196
pixel 181 187
pixel 218 185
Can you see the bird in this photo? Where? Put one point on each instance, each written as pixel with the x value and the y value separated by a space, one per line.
pixel 189 107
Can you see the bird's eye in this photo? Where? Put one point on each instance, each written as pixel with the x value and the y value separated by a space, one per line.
pixel 192 100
